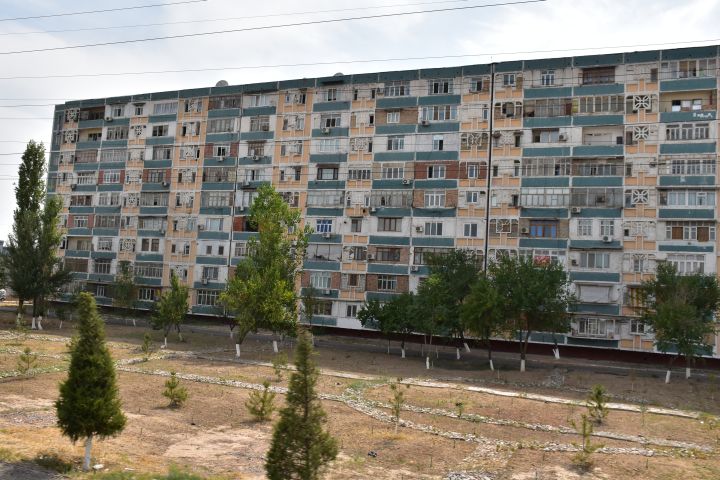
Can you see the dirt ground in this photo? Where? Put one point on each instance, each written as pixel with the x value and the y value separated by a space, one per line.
pixel 214 435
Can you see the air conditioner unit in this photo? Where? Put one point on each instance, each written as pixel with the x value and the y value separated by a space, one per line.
pixel 373 209
pixel 108 119
pixel 576 210
pixel 415 268
pixel 419 229
pixel 425 123
pixel 246 183
pixel 73 186
pixel 256 158
pixel 326 292
pixel 524 230
pixel 204 281
pixel 562 137
pixel 497 134
pixel 326 235
pixel 162 231
pixel 265 128
pixel 165 184
pixel 607 239
pixel 406 182
pixel 574 262
pixel 370 256
pixel 326 130
pixel 240 208
pixel 201 227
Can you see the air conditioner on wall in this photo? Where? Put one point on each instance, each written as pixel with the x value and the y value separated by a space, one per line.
pixel 607 239
pixel 326 292
pixel 415 268
pixel 108 119
pixel 204 281
pixel 326 130
pixel 326 235
pixel 576 210
pixel 525 230
pixel 562 137
pixel 406 182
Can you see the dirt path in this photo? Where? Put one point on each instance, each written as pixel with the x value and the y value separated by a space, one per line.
pixel 26 471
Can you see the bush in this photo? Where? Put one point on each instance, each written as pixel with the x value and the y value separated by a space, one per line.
pixel 145 347
pixel 597 404
pixel 26 361
pixel 260 404
pixel 174 392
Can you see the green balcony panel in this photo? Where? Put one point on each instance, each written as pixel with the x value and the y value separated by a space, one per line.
pixel 324 321
pixel 390 212
pixel 597 181
pixel 321 266
pixel 330 132
pixel 77 253
pixel 320 238
pixel 594 277
pixel 603 89
pixel 589 61
pixel 545 182
pixel 435 183
pixel 252 111
pixel 326 184
pixel 149 257
pixel 396 102
pixel 547 92
pixel 687 180
pixel 546 152
pixel 206 235
pixel 392 156
pixel 194 92
pixel 331 106
pixel 587 212
pixel 171 117
pixel 108 187
pixel 688 84
pixel 551 213
pixel 396 129
pixel 261 135
pixel 680 148
pixel 434 212
pixel 328 157
pixel 686 248
pixel 97 123
pixel 694 116
pixel 224 112
pixel 437 155
pixel 553 243
pixel 595 245
pixel 593 342
pixel 598 151
pixel 685 213
pixel 159 141
pixel 81 210
pixel 381 296
pixel 244 236
pixel 383 240
pixel 433 241
pixel 439 100
pixel 442 72
pixel 598 120
pixel 387 268
pixel 106 232
pixel 215 211
pixel 202 260
pixel 86 167
pixel 324 212
pixel 547 122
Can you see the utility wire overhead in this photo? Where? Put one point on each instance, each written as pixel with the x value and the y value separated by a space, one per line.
pixel 105 10
pixel 225 19
pixel 270 27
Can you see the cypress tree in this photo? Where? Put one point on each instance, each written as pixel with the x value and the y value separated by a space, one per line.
pixel 300 447
pixel 89 402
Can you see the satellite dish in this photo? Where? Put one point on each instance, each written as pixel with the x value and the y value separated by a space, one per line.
pixel 338 74
pixel 222 83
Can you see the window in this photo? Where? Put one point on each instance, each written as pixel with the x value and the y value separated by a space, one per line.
pixel 298 98
pixel 387 254
pixel 105 244
pixel 215 199
pixel 543 229
pixel 86 178
pixel 584 228
pixel 294 147
pixel 160 131
pixel 439 87
pixel 149 270
pixel 139 109
pixel 545 197
pixel 470 230
pixel 387 282
pixel 433 228
pixel 607 228
pixel 547 78
pixel 545 136
pixel 639 263
pixel 698 231
pixel 397 89
pixel 637 327
pixel 330 120
pixel 438 143
pixel 240 249
pixel 102 266
pixel 107 221
pixel 692 166
pixel 687 198
pixel 221 150
pixel 438 113
pixel 687 264
pixel 260 123
pixel 331 95
pixel 328 145
pixel 207 297
pixel 320 280
pixel 477 85
pixel 293 122
pixel 473 170
pixel 704 67
pixel 436 171
pixel 327 173
pixel 117 133
pixel 218 103
pixel 356 225
pixel 600 104
pixel 393 117
pixel 210 273
pixel 386 224
pixel 687 131
pixel 391 171
pixel 150 245
pixel 422 254
pixel 323 225
pixel 434 199
pixel 359 174
pixel 593 76
pixel 592 327
pixel 595 260
pixel 214 224
pixel 351 311
pixel 165 108
pixel 111 176
pixel 322 307
pixel 147 294
pixel 221 125
pixel 509 80
pixel 472 197
pixel 258 100
pixel 396 143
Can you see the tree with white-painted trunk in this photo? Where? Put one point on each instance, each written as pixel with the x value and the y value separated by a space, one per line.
pixel 395 317
pixel 125 290
pixel 433 310
pixel 680 310
pixel 482 313
pixel 262 294
pixel 536 296
pixel 89 402
pixel 170 310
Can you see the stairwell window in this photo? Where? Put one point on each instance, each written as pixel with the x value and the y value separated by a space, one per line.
pixel 331 95
pixel 440 87
pixel 438 143
pixel 547 78
pixel 509 80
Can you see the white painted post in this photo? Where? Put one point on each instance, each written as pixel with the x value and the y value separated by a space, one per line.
pixel 687 373
pixel 427 362
pixel 457 353
pixel 467 347
pixel 403 353
pixel 492 367
pixel 556 352
pixel 522 365
pixel 237 350
pixel 165 343
pixel 667 376
pixel 275 347
pixel 32 327
pixel 39 322
pixel 88 449
pixel 232 334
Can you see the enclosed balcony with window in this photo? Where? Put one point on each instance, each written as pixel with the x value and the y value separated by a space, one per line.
pixel 598 76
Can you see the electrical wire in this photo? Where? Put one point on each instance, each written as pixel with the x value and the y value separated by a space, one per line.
pixel 106 10
pixel 268 27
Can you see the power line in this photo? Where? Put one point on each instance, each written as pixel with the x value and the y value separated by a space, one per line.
pixel 106 10
pixel 269 27
pixel 209 20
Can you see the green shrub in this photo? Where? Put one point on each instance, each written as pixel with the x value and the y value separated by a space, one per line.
pixel 597 404
pixel 260 403
pixel 176 393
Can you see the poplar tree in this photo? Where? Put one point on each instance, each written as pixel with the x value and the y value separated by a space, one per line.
pixel 89 402
pixel 171 309
pixel 300 446
pixel 262 293
pixel 124 289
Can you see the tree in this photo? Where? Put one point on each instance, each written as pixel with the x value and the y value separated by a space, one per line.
pixel 397 316
pixel 260 403
pixel 535 296
pixel 455 271
pixel 89 401
pixel 20 260
pixel 262 293
pixel 680 309
pixel 583 458
pixel 300 447
pixel 482 313
pixel 125 290
pixel 433 301
pixel 397 401
pixel 26 361
pixel 171 308
pixel 597 404
pixel 176 393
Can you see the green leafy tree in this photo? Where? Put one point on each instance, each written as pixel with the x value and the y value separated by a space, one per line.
pixel 395 317
pixel 125 290
pixel 535 296
pixel 455 271
pixel 597 404
pixel 434 311
pixel 262 293
pixel 89 401
pixel 681 311
pixel 176 393
pixel 300 447
pixel 20 260
pixel 171 308
pixel 482 313
pixel 260 403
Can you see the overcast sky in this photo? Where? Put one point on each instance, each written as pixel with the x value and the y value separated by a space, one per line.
pixel 484 34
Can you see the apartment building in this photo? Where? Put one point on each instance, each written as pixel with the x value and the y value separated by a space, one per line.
pixel 606 163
